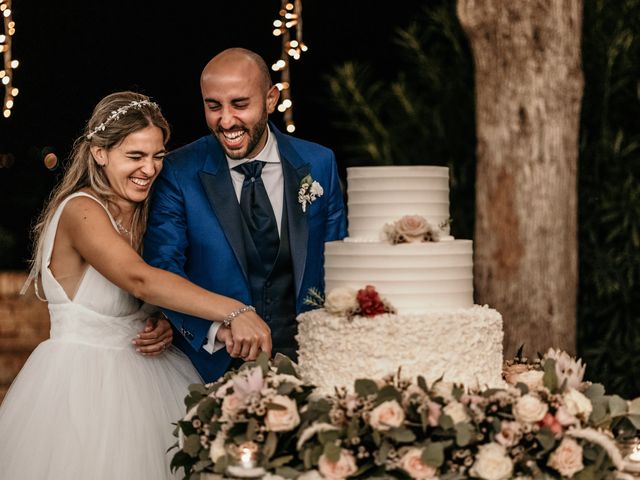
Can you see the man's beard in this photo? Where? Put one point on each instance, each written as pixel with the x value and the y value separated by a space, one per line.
pixel 255 135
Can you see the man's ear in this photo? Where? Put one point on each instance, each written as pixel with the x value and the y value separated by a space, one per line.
pixel 99 155
pixel 273 95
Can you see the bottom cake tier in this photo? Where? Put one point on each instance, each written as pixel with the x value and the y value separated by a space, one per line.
pixel 462 346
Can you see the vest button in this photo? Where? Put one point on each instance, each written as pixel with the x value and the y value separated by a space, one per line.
pixel 267 283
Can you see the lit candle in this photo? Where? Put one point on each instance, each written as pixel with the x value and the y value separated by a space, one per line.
pixel 632 460
pixel 247 463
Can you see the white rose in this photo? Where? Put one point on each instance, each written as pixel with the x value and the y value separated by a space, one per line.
pixel 530 409
pixel 217 449
pixel 271 476
pixel 282 420
pixel 567 458
pixel 564 418
pixel 492 463
pixel 386 416
pixel 531 378
pixel 411 462
pixel 345 466
pixel 316 189
pixel 341 301
pixel 577 404
pixel 456 411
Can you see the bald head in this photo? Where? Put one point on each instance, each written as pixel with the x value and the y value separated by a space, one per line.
pixel 238 61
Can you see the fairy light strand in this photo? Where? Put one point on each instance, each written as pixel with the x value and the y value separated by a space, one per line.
pixel 290 17
pixel 6 74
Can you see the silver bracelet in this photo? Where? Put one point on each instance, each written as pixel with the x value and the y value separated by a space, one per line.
pixel 226 321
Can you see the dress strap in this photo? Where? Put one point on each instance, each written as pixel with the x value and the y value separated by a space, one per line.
pixel 49 237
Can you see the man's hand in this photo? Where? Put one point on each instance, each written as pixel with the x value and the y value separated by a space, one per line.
pixel 155 338
pixel 249 335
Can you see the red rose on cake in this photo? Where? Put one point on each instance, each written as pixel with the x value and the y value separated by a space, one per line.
pixel 370 302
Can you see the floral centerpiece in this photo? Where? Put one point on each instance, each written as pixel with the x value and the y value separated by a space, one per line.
pixel 546 423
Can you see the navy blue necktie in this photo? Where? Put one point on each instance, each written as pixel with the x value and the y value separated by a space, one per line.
pixel 258 213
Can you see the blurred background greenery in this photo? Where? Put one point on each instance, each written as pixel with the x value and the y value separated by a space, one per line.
pixel 425 114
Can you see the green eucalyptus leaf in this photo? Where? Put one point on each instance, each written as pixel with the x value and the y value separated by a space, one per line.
pixel 617 406
pixel 365 387
pixel 433 454
pixel 331 451
pixel 279 461
pixel 634 406
pixel 464 433
pixel 192 445
pixel 401 435
pixel 550 378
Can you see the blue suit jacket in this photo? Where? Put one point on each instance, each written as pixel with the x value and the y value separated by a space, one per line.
pixel 195 230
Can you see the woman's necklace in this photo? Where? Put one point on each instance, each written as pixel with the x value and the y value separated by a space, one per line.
pixel 121 228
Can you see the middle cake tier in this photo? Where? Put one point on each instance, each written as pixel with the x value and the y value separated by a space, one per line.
pixel 414 277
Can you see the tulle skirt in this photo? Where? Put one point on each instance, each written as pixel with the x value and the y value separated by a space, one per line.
pixel 79 412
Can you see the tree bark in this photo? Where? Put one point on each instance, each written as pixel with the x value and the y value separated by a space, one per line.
pixel 529 85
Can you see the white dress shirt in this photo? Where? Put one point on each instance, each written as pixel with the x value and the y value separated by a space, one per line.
pixel 273 184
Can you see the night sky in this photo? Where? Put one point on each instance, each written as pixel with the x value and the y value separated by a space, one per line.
pixel 72 53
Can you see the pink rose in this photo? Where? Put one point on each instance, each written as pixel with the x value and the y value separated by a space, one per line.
pixel 411 462
pixel 231 404
pixel 567 458
pixel 345 466
pixel 552 424
pixel 282 420
pixel 386 416
pixel 412 228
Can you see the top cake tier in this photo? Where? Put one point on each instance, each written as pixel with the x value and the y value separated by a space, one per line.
pixel 380 195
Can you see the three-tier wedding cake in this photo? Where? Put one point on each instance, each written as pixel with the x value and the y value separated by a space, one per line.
pixel 399 243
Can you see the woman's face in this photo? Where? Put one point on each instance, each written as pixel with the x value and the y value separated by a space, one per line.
pixel 132 166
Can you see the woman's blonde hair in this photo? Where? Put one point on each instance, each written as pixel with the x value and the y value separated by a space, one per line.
pixel 116 116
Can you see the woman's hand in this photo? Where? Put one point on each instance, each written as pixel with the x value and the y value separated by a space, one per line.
pixel 155 338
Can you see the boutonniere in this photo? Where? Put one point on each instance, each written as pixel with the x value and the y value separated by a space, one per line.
pixel 309 191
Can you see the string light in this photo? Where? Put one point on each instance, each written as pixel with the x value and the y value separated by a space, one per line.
pixel 6 75
pixel 290 16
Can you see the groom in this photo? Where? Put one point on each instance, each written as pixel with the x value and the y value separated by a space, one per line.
pixel 229 212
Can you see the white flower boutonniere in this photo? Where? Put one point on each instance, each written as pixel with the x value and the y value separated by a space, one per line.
pixel 309 191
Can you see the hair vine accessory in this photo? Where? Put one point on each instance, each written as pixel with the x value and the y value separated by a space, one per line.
pixel 116 114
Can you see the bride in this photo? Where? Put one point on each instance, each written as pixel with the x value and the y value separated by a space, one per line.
pixel 85 404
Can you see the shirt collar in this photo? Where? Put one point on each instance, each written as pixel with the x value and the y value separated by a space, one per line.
pixel 268 154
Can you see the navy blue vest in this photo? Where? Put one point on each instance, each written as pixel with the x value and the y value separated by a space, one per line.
pixel 273 291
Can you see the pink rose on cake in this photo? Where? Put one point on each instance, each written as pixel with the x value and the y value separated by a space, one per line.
pixel 410 229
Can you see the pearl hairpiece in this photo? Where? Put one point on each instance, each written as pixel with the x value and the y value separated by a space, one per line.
pixel 116 114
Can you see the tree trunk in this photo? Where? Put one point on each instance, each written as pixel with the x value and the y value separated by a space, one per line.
pixel 529 84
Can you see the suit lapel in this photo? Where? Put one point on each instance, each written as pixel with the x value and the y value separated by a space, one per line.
pixel 294 169
pixel 218 186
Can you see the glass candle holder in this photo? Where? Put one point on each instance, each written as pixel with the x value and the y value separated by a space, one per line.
pixel 247 457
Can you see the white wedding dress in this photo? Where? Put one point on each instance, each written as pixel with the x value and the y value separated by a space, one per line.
pixel 86 405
